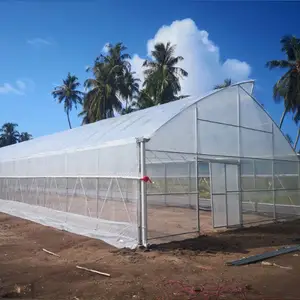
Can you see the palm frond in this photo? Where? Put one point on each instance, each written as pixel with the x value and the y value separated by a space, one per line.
pixel 162 76
pixel 279 64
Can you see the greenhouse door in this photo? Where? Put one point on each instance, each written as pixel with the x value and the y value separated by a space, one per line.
pixel 225 195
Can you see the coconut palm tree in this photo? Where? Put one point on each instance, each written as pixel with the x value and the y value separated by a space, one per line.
pixel 9 134
pixel 288 86
pixel 227 82
pixel 112 82
pixel 289 139
pixel 85 115
pixel 24 136
pixel 68 94
pixel 129 109
pixel 102 98
pixel 130 88
pixel 143 100
pixel 162 76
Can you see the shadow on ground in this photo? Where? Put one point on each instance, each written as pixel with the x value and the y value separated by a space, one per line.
pixel 239 240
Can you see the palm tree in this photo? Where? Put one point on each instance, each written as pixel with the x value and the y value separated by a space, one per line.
pixel 227 82
pixel 102 98
pixel 24 136
pixel 112 82
pixel 162 75
pixel 129 109
pixel 144 100
pixel 86 119
pixel 68 94
pixel 130 88
pixel 289 139
pixel 288 86
pixel 9 134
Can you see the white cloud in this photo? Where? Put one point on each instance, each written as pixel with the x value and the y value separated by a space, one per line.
pixel 201 58
pixel 40 42
pixel 21 87
pixel 105 48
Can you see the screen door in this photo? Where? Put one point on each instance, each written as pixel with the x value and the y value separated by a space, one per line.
pixel 225 192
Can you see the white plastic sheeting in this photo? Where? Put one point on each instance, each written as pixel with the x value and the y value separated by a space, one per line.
pixel 104 207
pixel 104 148
pixel 83 225
pixel 230 124
pixel 108 147
pixel 227 124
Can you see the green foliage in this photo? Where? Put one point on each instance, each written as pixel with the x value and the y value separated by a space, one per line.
pixel 289 138
pixel 287 88
pixel 111 83
pixel 68 94
pixel 24 136
pixel 227 82
pixel 9 135
pixel 162 75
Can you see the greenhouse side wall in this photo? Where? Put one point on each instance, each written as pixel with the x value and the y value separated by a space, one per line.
pixel 87 192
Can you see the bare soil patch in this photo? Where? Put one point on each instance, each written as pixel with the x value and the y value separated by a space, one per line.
pixel 188 269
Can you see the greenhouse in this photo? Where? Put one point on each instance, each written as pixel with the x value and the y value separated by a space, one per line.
pixel 189 166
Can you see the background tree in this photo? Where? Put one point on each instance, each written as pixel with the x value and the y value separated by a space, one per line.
pixel 286 89
pixel 111 83
pixel 162 76
pixel 68 94
pixel 24 136
pixel 141 101
pixel 9 134
pixel 289 139
pixel 131 88
pixel 227 82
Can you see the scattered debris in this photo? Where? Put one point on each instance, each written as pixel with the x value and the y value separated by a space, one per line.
pixel 206 268
pixel 266 263
pixel 49 252
pixel 93 271
pixel 296 254
pixel 19 291
pixel 266 255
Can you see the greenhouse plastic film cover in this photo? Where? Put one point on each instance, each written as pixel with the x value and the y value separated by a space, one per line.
pixel 117 234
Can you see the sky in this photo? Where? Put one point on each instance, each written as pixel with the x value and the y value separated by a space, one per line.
pixel 41 41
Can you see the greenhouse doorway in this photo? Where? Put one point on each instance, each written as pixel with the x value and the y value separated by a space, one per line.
pixel 225 194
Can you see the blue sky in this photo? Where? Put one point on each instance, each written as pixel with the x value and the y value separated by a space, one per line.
pixel 41 41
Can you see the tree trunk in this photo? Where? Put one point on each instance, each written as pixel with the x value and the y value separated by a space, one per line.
pixel 69 120
pixel 297 139
pixel 283 116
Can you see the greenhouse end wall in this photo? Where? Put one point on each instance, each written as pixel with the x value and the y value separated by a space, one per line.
pixel 227 128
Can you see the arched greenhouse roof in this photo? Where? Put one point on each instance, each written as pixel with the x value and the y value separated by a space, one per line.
pixel 120 130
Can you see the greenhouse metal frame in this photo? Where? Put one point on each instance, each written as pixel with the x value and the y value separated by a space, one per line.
pixel 157 172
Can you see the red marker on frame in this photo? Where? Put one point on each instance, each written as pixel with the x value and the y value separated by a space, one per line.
pixel 146 179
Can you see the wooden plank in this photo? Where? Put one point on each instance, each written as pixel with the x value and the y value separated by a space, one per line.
pixel 93 271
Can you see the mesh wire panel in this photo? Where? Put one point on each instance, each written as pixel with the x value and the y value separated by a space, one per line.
pixel 257 190
pixel 172 196
pixel 270 189
pixel 109 205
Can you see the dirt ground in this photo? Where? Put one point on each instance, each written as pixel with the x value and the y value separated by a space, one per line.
pixel 164 221
pixel 190 269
